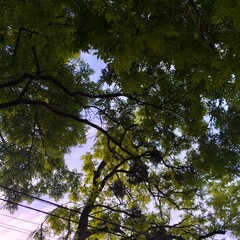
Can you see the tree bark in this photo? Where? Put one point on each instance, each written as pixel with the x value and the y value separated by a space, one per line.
pixel 82 230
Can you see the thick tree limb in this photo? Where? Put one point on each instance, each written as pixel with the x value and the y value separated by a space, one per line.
pixel 214 232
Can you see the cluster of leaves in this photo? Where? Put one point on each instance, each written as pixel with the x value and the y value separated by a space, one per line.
pixel 167 115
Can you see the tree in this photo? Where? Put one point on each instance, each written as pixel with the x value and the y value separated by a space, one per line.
pixel 168 135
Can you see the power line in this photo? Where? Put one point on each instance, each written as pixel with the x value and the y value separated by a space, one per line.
pixel 38 210
pixel 59 206
pixel 54 204
pixel 68 219
pixel 23 220
pixel 50 214
pixel 17 229
pixel 40 199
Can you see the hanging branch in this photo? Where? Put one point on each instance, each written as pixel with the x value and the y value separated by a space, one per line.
pixel 20 31
pixel 36 60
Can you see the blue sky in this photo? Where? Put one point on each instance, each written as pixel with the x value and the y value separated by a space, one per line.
pixel 74 158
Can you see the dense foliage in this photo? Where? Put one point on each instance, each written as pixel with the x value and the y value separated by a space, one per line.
pixel 166 161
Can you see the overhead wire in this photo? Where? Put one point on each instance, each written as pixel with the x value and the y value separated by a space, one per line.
pixel 62 207
pixel 40 199
pixel 23 220
pixel 17 229
pixel 51 214
pixel 37 210
pixel 47 213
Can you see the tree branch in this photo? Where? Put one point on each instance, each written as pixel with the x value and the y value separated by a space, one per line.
pixel 21 79
pixel 21 29
pixel 36 60
pixel 63 114
pixel 214 232
pixel 114 210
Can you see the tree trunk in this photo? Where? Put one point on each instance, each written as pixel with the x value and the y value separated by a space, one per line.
pixel 82 231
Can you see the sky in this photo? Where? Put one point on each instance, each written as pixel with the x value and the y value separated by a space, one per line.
pixel 19 225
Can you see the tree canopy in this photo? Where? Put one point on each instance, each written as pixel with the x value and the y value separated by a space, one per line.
pixel 166 158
